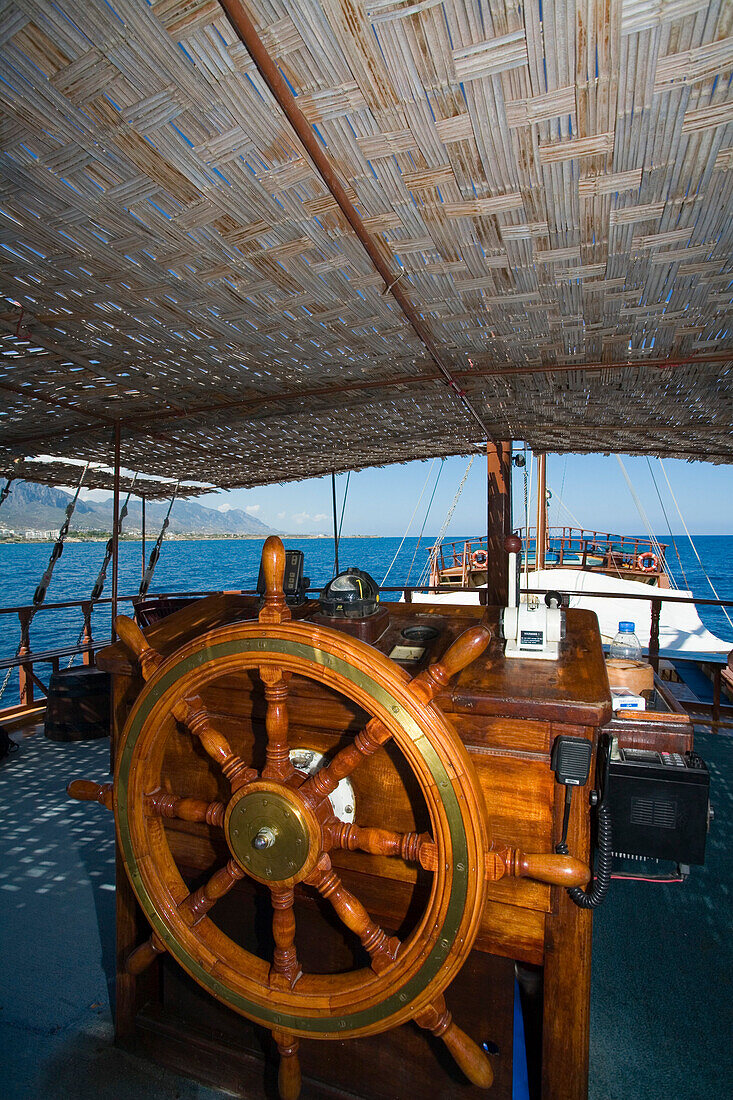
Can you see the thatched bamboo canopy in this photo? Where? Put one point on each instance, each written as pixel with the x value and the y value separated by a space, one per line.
pixel 58 472
pixel 458 220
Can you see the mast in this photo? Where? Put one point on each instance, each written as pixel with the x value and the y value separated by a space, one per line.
pixel 541 542
pixel 499 520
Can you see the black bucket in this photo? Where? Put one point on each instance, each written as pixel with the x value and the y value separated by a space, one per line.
pixel 78 704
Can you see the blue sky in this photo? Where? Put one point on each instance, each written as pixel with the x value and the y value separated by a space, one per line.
pixel 589 490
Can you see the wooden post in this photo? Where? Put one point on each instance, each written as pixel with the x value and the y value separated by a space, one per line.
pixel 654 634
pixel 499 520
pixel 539 554
pixel 87 657
pixel 115 530
pixel 25 669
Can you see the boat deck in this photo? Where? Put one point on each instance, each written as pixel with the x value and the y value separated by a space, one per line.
pixel 652 1035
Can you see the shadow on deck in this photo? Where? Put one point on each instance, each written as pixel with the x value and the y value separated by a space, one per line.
pixel 661 995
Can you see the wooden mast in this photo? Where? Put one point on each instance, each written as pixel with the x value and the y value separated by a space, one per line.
pixel 499 519
pixel 541 541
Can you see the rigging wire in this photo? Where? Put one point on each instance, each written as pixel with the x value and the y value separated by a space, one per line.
pixel 155 552
pixel 449 515
pixel 558 498
pixel 427 513
pixel 343 503
pixel 5 492
pixel 58 548
pixel 98 586
pixel 669 528
pixel 692 544
pixel 642 513
pixel 527 507
pixel 409 525
pixel 563 505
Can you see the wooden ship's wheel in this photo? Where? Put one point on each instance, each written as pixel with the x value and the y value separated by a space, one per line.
pixel 280 830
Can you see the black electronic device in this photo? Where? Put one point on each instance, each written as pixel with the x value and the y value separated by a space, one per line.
pixel 295 585
pixel 659 804
pixel 570 760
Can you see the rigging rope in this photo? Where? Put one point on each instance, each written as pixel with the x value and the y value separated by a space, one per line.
pixel 58 548
pixel 5 492
pixel 98 587
pixel 155 552
pixel 642 513
pixel 449 516
pixel 669 528
pixel 427 513
pixel 692 544
pixel 409 525
pixel 343 505
pixel 527 506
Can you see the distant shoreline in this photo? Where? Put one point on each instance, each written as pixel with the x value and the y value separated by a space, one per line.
pixel 179 538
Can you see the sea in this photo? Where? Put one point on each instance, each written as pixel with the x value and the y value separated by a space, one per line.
pixel 205 565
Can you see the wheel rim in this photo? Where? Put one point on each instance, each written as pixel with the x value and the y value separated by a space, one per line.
pixel 361 1002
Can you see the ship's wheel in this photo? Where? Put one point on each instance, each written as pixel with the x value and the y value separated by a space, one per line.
pixel 281 830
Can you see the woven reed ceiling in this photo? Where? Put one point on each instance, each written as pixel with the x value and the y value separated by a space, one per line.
pixel 551 183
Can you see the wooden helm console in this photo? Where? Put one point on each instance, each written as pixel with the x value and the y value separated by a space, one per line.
pixel 187 780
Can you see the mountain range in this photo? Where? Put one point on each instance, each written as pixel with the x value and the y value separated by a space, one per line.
pixel 40 508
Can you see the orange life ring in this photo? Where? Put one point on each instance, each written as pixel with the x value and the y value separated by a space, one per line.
pixel 647 563
pixel 479 559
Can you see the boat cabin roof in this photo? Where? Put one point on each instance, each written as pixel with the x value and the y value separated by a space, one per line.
pixel 355 232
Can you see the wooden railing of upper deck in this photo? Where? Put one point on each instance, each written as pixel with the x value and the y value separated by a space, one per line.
pixel 570 547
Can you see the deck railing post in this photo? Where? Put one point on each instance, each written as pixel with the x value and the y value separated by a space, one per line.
pixel 717 678
pixel 25 668
pixel 87 657
pixel 654 633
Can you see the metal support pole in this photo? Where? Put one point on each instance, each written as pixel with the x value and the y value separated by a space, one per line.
pixel 335 526
pixel 499 520
pixel 115 530
pixel 142 504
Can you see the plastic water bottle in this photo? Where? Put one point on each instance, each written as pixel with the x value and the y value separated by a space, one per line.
pixel 626 644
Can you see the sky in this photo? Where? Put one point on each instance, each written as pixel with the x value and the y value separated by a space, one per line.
pixel 588 490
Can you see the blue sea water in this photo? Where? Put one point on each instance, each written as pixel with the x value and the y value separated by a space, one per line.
pixel 212 565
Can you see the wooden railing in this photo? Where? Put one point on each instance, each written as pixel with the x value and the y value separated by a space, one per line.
pixel 574 546
pixel 26 659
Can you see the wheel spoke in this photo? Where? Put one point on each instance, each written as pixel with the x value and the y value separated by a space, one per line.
pixel 142 957
pixel 288 1078
pixel 381 947
pixel 86 790
pixel 278 764
pixel 414 847
pixel 285 969
pixel 192 713
pixel 324 783
pixel 194 907
pixel 160 804
pixel 437 1019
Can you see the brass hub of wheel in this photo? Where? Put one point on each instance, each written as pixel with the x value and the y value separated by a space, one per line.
pixel 271 833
